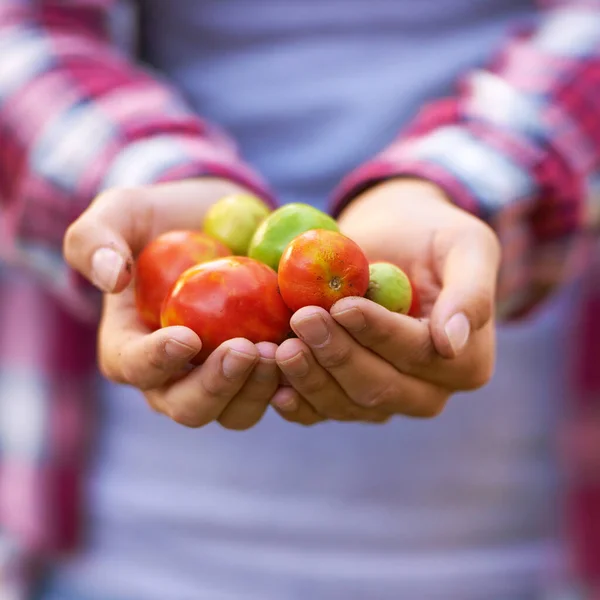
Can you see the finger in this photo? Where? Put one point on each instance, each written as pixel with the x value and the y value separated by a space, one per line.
pixel 366 378
pixel 251 402
pixel 406 343
pixel 293 408
pixel 312 381
pixel 102 242
pixel 466 301
pixel 129 354
pixel 317 387
pixel 202 396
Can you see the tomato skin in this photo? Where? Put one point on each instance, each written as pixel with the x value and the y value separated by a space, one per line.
pixel 162 261
pixel 228 298
pixel 415 305
pixel 319 267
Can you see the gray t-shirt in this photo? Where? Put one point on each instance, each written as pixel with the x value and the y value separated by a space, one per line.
pixel 462 507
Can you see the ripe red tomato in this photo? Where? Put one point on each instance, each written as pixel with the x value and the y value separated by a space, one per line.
pixel 162 261
pixel 228 298
pixel 320 267
pixel 415 305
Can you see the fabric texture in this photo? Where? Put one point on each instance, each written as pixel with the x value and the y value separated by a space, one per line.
pixel 529 123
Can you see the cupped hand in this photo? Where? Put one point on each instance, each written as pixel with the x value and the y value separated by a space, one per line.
pixel 362 362
pixel 236 382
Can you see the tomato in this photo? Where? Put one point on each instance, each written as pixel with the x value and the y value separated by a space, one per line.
pixel 234 219
pixel 415 305
pixel 282 226
pixel 162 261
pixel 228 298
pixel 319 267
pixel 390 287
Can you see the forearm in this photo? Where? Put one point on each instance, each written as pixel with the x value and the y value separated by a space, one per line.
pixel 517 145
pixel 78 118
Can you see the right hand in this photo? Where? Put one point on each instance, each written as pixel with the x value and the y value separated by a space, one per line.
pixel 235 384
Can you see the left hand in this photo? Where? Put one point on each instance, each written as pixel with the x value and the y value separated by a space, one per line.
pixel 363 362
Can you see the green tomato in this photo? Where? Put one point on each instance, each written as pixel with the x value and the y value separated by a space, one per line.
pixel 282 226
pixel 234 219
pixel 390 287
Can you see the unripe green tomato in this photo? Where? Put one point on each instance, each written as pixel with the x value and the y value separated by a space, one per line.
pixel 390 287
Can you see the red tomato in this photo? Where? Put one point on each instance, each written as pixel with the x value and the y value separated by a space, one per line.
pixel 162 261
pixel 228 298
pixel 320 267
pixel 415 305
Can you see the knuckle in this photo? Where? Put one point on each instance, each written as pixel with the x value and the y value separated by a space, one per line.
pixel 432 407
pixel 155 357
pixel 336 356
pixel 376 337
pixel 215 386
pixel 385 395
pixel 185 415
pixel 421 355
pixel 313 385
pixel 136 372
pixel 141 212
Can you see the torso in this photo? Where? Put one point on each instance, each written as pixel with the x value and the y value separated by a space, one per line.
pixel 460 507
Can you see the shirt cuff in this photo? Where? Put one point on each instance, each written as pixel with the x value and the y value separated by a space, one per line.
pixel 498 178
pixel 484 170
pixel 158 159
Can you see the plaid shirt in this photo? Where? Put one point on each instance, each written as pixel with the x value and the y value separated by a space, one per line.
pixel 517 145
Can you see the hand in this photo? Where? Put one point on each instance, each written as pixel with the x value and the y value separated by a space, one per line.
pixel 235 384
pixel 362 362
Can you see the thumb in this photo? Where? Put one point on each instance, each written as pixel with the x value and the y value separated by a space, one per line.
pixel 466 302
pixel 100 244
pixel 103 241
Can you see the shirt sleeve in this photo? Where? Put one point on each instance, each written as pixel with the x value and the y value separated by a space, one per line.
pixel 519 142
pixel 77 117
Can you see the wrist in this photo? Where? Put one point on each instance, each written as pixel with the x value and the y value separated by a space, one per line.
pixel 218 187
pixel 401 191
pixel 412 187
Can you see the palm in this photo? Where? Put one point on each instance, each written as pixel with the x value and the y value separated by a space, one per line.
pixel 406 232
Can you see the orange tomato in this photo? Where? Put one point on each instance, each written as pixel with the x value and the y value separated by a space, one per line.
pixel 228 298
pixel 162 261
pixel 319 267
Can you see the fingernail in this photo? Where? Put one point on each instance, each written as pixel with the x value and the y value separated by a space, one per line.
pixel 264 370
pixel 106 267
pixel 297 366
pixel 235 364
pixel 178 350
pixel 352 319
pixel 458 330
pixel 313 330
pixel 285 400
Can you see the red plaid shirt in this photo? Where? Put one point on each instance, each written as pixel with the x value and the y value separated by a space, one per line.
pixel 517 145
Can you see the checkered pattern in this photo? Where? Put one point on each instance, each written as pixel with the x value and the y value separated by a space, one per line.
pixel 101 123
pixel 515 146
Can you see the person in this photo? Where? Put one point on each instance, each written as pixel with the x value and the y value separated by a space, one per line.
pixel 102 151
